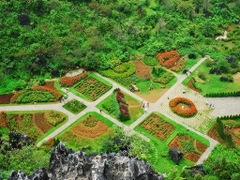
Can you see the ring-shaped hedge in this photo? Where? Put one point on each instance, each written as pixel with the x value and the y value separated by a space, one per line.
pixel 190 111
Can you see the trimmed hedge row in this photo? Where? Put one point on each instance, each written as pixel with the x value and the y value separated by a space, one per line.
pixel 236 116
pixel 223 94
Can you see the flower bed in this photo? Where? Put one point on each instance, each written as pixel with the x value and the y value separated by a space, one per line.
pixel 123 106
pixel 54 117
pixel 190 147
pixel 183 107
pixel 171 59
pixel 158 127
pixel 3 117
pixel 70 81
pixel 92 88
pixel 91 127
pixel 5 98
pixel 41 122
pixel 37 94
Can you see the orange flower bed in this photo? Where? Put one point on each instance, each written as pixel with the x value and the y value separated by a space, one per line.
pixel 3 117
pixel 90 132
pixel 69 81
pixel 57 94
pixel 168 59
pixel 183 107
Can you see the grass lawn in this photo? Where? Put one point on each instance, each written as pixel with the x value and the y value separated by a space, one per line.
pixel 212 84
pixel 74 106
pixel 110 106
pixel 91 88
pixel 160 159
pixel 76 142
pixel 188 64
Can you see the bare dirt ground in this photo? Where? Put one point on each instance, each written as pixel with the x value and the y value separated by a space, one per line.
pixel 153 96
pixel 142 70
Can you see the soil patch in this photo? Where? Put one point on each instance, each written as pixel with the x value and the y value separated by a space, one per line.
pixel 236 135
pixel 191 86
pixel 5 98
pixel 142 70
pixel 229 28
pixel 191 156
pixel 40 122
pixel 153 95
pixel 200 146
pixel 236 77
pixel 213 133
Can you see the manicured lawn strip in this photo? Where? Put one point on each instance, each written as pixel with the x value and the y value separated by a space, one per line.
pixel 74 106
pixel 95 143
pixel 134 115
pixel 144 86
pixel 212 83
pixel 112 104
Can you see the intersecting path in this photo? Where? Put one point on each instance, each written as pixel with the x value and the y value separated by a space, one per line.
pixel 91 106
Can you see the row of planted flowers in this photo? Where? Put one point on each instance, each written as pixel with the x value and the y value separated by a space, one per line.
pixel 123 106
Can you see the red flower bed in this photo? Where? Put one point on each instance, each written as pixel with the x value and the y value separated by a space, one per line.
pixel 5 98
pixel 3 117
pixel 69 81
pixel 168 59
pixel 183 107
pixel 123 105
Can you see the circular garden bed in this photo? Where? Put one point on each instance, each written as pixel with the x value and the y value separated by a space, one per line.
pixel 183 107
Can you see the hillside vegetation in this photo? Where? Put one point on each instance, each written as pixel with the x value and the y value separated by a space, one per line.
pixel 45 38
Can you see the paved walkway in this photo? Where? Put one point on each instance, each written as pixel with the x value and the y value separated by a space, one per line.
pixel 160 106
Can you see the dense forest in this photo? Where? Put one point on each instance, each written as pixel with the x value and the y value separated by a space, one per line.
pixel 44 39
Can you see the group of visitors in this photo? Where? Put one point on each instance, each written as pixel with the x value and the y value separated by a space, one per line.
pixel 145 105
pixel 211 106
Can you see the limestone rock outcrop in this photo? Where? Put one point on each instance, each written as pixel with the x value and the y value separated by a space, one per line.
pixel 67 164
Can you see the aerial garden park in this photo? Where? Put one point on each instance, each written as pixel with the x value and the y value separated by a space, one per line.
pixel 179 56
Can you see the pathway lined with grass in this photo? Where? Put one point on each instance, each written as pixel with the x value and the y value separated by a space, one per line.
pixel 160 106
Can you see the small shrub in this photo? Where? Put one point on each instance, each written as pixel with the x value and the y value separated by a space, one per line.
pixel 54 117
pixel 202 75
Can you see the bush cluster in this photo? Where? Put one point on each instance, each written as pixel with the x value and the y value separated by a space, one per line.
pixel 166 78
pixel 54 118
pixel 124 70
pixel 168 59
pixel 186 112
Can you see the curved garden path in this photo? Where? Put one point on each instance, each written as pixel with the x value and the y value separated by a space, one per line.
pixel 161 105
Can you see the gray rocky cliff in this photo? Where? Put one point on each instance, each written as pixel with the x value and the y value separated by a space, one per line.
pixel 67 164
